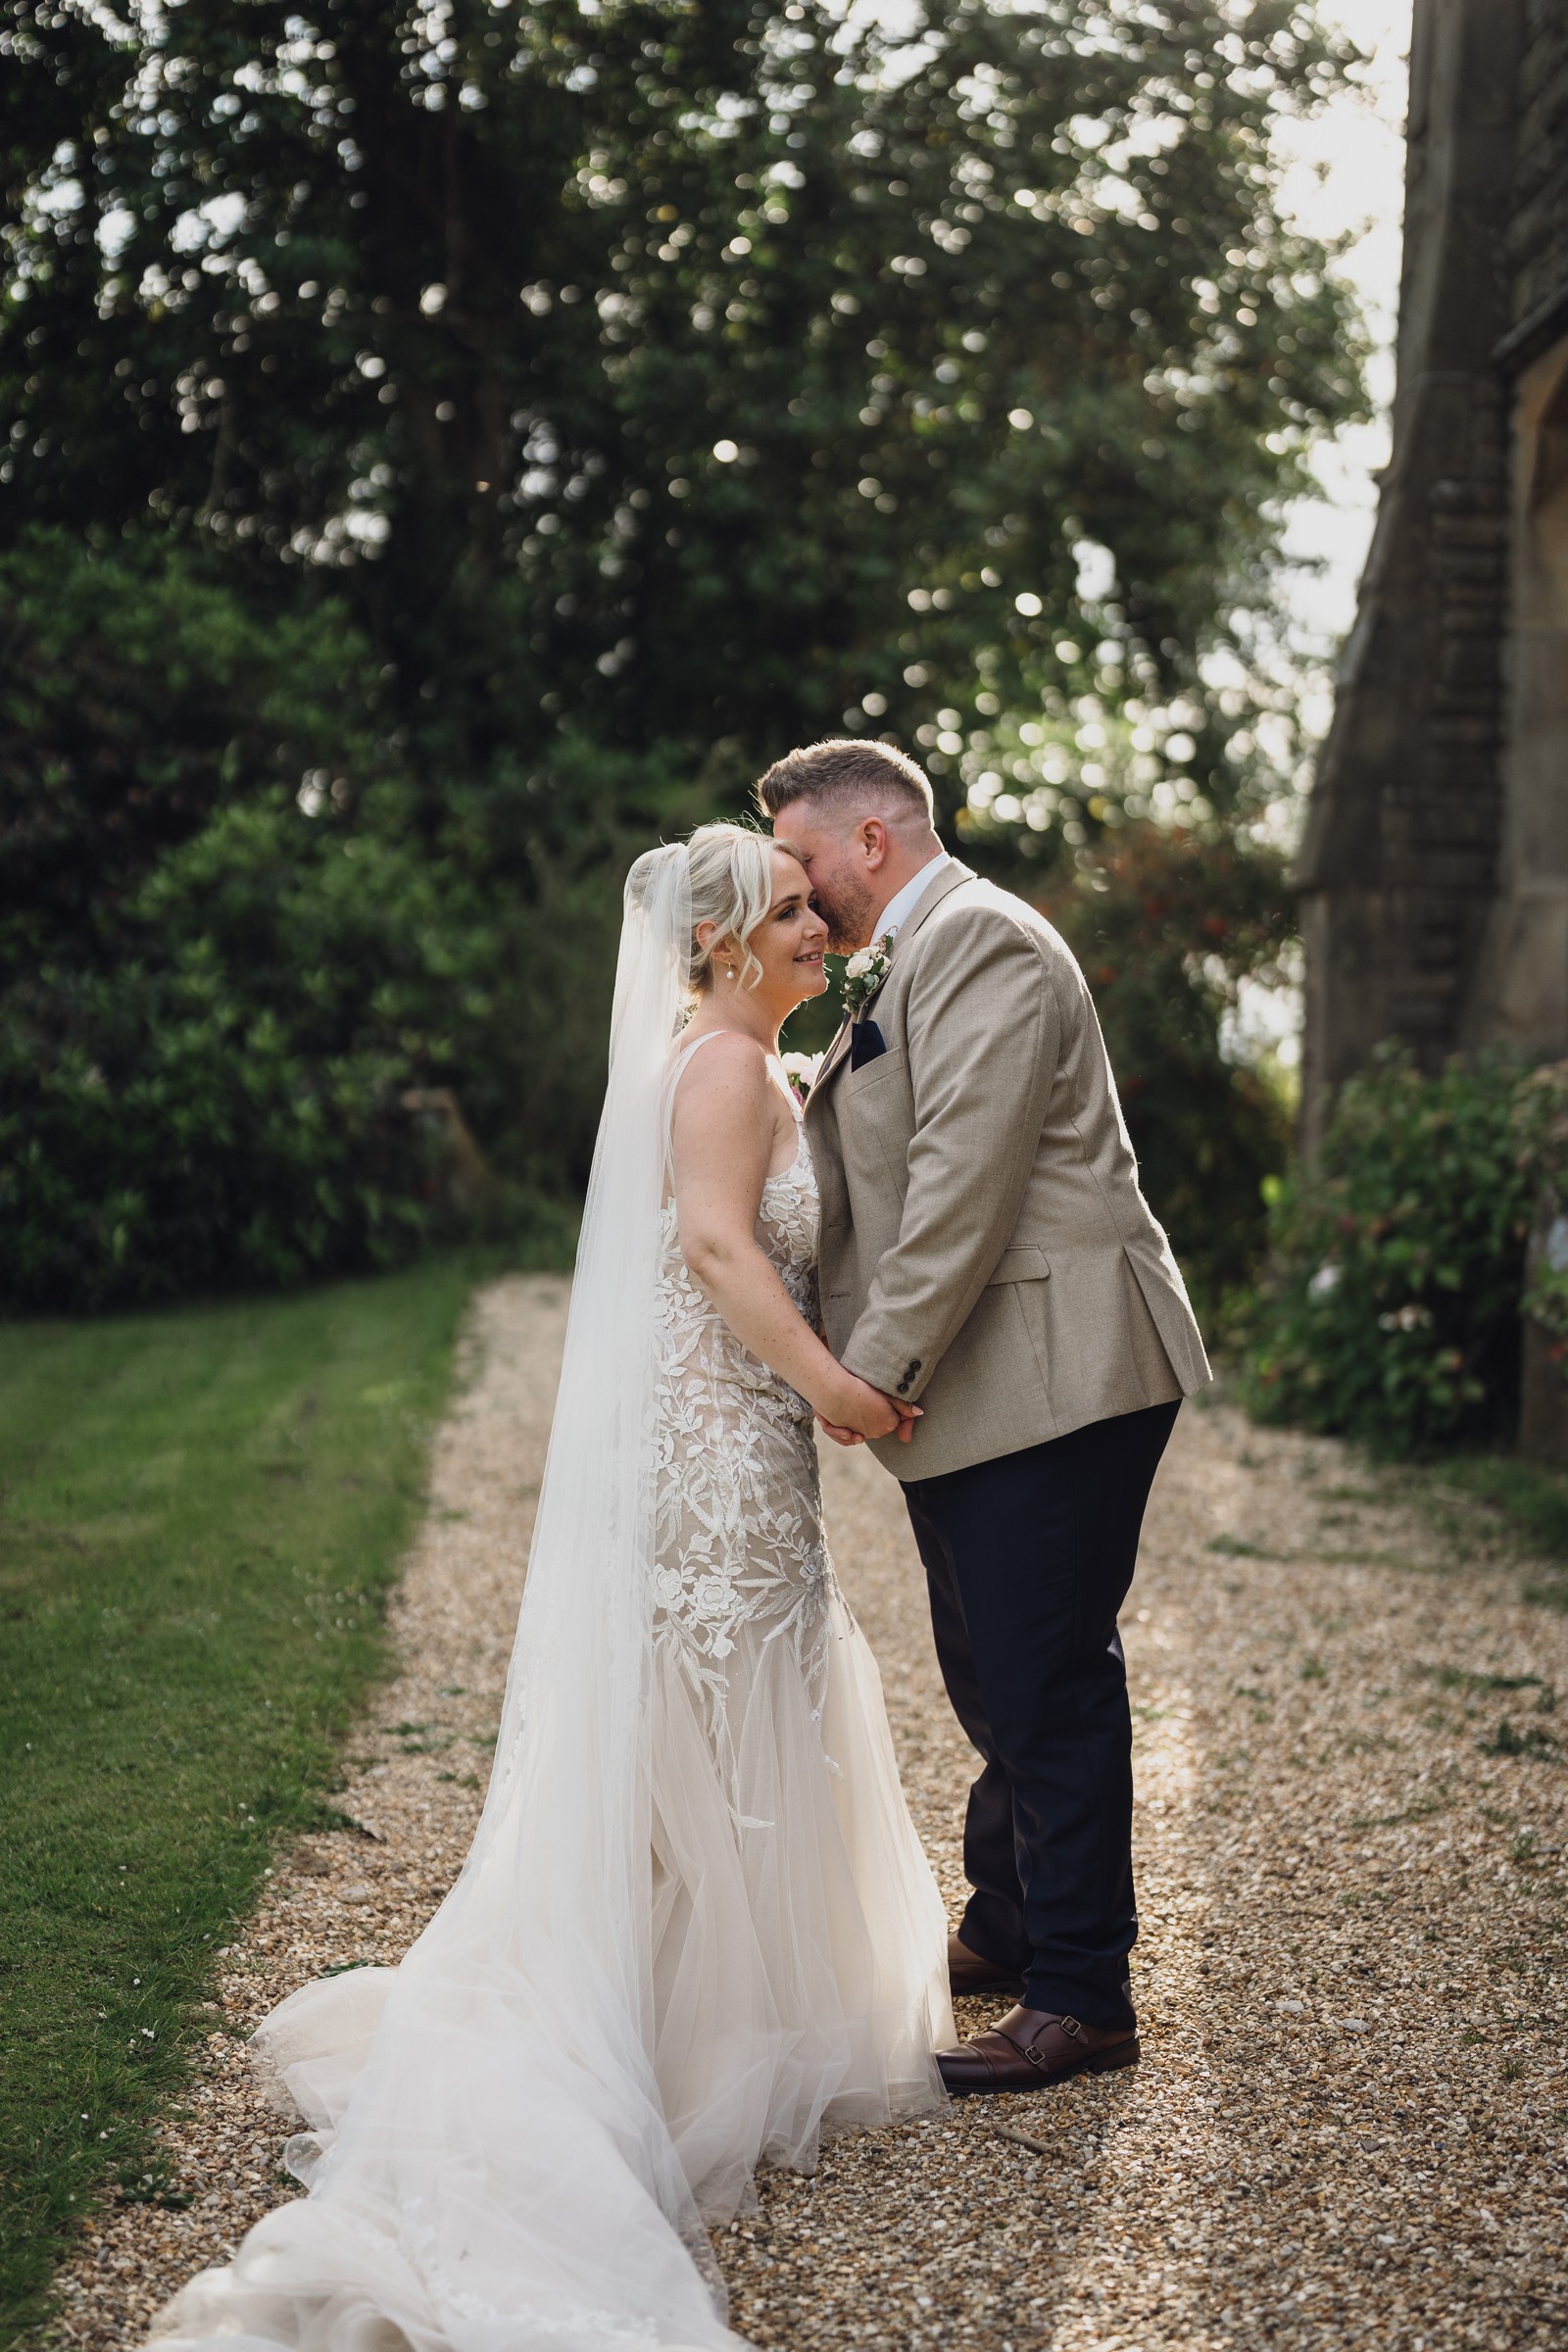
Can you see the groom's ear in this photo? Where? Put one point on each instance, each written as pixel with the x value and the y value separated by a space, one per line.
pixel 872 836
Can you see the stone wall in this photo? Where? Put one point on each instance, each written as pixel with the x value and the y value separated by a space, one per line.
pixel 1538 234
pixel 1520 993
pixel 1400 868
pixel 1435 873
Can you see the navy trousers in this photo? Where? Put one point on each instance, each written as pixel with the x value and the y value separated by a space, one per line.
pixel 1028 1559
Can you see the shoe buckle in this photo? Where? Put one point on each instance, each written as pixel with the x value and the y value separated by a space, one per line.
pixel 1071 2027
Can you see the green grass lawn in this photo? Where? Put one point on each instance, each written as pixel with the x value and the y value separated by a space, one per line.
pixel 201 1513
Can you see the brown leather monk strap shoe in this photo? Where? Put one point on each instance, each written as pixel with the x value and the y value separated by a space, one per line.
pixel 969 1971
pixel 1031 2048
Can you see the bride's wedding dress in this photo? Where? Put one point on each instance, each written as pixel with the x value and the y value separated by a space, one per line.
pixel 696 1927
pixel 800 1944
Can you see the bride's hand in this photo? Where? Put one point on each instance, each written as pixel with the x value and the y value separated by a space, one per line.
pixel 858 1410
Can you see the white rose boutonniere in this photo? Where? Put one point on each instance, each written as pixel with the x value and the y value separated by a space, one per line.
pixel 801 1071
pixel 864 974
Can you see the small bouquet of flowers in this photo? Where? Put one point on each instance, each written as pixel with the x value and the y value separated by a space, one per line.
pixel 801 1071
pixel 864 974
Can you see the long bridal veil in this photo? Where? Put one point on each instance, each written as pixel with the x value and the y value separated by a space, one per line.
pixel 488 2159
pixel 695 1925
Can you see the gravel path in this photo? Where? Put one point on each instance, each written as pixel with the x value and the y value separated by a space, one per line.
pixel 1352 2124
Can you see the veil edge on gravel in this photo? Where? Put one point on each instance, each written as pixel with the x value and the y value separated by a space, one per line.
pixel 488 2162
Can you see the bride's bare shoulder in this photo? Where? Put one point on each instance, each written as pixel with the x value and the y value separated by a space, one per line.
pixel 725 1085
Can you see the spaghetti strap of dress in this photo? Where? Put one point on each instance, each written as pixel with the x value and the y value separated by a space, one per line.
pixel 678 1067
pixel 675 1073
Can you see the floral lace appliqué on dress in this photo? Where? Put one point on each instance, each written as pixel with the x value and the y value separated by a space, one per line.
pixel 740 1556
pixel 799 1972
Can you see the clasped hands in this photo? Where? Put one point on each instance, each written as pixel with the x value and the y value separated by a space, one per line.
pixel 861 1411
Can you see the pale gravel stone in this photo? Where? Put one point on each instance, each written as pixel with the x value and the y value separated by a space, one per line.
pixel 1320 1824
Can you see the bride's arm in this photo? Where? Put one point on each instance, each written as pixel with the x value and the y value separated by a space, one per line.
pixel 722 1136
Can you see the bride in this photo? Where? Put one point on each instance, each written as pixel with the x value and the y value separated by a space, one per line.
pixel 696 1928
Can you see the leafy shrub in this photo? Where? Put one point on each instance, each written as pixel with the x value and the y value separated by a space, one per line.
pixel 1392 1308
pixel 235 935
pixel 138 695
pixel 224 1103
pixel 1542 1118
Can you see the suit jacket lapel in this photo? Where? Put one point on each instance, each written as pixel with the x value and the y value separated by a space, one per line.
pixel 947 882
pixel 837 1052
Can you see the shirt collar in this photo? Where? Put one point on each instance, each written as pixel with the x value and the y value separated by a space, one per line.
pixel 902 905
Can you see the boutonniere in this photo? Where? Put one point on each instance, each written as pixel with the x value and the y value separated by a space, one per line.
pixel 801 1071
pixel 864 974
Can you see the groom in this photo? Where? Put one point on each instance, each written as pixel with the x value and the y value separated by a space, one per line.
pixel 987 1253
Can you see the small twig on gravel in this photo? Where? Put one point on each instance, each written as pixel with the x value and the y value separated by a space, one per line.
pixel 1020 2140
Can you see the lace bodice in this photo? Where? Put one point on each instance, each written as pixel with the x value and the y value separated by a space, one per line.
pixel 787 1230
pixel 739 1533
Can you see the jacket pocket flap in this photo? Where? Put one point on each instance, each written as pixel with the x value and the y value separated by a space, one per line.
pixel 1023 1262
pixel 881 1065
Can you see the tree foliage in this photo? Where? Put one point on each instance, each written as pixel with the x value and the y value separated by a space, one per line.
pixel 648 357
pixel 469 439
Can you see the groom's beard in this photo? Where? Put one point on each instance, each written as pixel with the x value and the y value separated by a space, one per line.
pixel 849 916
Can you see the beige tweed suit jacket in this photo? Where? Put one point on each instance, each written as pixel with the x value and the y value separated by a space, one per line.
pixel 986 1250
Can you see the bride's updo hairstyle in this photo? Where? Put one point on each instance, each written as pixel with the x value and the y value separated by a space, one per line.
pixel 732 888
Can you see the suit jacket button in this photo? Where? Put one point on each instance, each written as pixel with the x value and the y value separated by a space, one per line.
pixel 904 1388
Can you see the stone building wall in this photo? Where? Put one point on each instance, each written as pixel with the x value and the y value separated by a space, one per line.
pixel 1520 993
pixel 1537 235
pixel 1435 873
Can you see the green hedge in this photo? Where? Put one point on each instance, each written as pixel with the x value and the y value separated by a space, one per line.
pixel 235 933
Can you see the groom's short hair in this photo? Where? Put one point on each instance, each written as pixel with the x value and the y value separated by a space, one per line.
pixel 844 773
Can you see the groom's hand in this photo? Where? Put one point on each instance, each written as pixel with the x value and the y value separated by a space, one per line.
pixel 858 1410
pixel 909 1415
pixel 905 1415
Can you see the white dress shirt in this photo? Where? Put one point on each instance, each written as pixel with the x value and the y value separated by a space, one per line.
pixel 901 905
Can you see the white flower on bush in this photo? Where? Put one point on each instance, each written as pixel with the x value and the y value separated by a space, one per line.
pixel 1325 1282
pixel 1406 1318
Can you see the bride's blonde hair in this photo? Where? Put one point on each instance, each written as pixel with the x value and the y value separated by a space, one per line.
pixel 732 887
